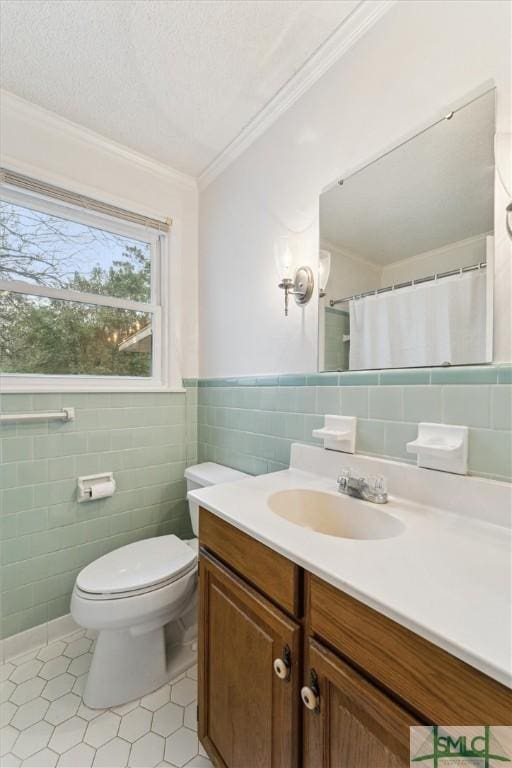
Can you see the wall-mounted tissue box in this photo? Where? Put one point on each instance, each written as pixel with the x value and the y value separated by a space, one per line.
pixel 93 487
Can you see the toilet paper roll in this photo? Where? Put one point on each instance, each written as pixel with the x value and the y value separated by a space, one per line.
pixel 102 490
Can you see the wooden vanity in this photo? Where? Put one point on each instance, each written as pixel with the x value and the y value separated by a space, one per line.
pixel 269 629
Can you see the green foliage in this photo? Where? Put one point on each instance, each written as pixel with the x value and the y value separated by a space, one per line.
pixel 127 278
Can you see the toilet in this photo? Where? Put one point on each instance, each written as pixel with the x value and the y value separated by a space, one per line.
pixel 134 596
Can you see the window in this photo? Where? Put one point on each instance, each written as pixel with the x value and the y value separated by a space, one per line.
pixel 80 296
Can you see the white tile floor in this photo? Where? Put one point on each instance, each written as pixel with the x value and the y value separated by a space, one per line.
pixel 44 722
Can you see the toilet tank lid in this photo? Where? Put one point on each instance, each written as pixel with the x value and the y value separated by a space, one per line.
pixel 210 473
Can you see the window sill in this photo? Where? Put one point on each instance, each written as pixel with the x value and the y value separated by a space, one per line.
pixel 29 383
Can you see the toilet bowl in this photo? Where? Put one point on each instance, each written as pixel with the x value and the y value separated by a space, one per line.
pixel 131 595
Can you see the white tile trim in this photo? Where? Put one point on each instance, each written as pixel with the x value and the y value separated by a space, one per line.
pixel 24 642
pixel 37 637
pixel 58 628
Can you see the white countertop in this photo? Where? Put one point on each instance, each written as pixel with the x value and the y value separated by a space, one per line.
pixel 447 577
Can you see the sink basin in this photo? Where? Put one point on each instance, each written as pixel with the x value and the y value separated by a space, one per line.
pixel 334 515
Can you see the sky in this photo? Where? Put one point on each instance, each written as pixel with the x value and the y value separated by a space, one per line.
pixel 66 245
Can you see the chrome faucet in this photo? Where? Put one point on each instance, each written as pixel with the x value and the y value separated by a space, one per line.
pixel 372 488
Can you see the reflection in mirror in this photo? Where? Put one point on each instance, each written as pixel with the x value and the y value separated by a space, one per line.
pixel 410 238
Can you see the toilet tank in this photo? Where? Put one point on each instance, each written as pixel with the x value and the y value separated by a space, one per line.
pixel 202 475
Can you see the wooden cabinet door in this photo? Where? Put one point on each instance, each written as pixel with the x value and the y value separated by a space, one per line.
pixel 355 725
pixel 248 716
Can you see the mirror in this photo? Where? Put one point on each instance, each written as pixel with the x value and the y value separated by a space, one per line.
pixel 410 242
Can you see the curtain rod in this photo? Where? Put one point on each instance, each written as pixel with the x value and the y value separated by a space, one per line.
pixel 410 283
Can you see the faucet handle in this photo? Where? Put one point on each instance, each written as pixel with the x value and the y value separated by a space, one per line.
pixel 378 486
pixel 344 477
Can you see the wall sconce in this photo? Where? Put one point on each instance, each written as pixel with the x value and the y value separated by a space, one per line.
pixel 324 270
pixel 298 282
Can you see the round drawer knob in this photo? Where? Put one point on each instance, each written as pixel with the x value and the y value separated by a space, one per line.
pixel 281 669
pixel 309 698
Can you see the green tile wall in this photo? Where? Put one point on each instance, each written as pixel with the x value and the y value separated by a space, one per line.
pixel 147 439
pixel 250 423
pixel 46 537
pixel 336 352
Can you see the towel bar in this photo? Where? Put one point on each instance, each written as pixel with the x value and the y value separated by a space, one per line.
pixel 67 414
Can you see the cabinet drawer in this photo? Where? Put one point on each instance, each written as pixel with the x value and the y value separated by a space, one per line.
pixel 275 576
pixel 436 685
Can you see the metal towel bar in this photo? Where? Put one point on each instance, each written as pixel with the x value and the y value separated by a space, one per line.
pixel 67 414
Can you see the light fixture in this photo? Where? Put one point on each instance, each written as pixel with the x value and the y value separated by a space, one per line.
pixel 298 282
pixel 324 270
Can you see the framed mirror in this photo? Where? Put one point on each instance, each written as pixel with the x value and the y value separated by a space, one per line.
pixel 409 240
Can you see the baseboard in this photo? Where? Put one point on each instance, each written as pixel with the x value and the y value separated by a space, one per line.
pixel 36 637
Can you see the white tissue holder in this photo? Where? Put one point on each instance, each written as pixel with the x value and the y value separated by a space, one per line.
pixel 441 446
pixel 338 433
pixel 92 487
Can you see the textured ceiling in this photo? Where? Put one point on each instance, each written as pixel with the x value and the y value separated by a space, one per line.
pixel 433 190
pixel 174 79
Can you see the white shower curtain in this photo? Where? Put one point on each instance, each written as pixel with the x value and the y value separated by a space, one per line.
pixel 443 321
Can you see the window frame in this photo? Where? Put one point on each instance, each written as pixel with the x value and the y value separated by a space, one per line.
pixel 158 306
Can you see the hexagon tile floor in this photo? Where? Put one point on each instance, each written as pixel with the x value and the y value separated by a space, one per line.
pixel 44 722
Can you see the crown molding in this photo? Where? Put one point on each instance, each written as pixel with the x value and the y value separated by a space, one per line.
pixel 367 13
pixel 344 37
pixel 10 102
pixel 438 251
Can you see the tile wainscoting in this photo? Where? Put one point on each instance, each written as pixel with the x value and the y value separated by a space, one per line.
pixel 46 537
pixel 250 423
pixel 147 439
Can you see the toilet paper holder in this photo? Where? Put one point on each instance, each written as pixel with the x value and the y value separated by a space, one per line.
pixel 92 487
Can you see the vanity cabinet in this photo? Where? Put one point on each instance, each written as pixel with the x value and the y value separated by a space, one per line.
pixel 271 634
pixel 248 712
pixel 354 724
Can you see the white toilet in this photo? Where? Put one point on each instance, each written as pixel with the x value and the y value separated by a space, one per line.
pixel 130 595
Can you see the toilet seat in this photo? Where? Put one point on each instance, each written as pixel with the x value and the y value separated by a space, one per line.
pixel 97 596
pixel 137 568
